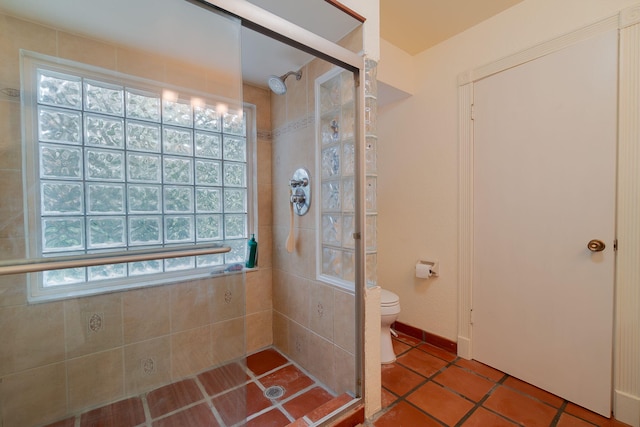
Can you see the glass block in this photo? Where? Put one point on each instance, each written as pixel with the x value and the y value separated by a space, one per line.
pixel 106 272
pixel 370 115
pixel 235 226
pixel 209 260
pixel 330 92
pixel 177 113
pixel 370 194
pixel 143 167
pixel 145 230
pixel 145 267
pixel 60 162
pixel 332 229
pixel 348 123
pixel 348 266
pixel 208 145
pixel 331 196
pixel 330 161
pixel 62 198
pixel 207 118
pixel 143 137
pixel 234 123
pixel 59 89
pixel 348 158
pixel 104 130
pixel 208 227
pixel 348 228
pixel 371 232
pixel 177 141
pixel 371 77
pixel 347 87
pixel 371 154
pixel 67 276
pixel 105 198
pixel 143 106
pixel 143 199
pixel 61 126
pixel 105 232
pixel 329 129
pixel 371 270
pixel 234 174
pixel 182 263
pixel 349 195
pixel 178 171
pixel 178 199
pixel 208 200
pixel 235 201
pixel 208 172
pixel 62 234
pixel 238 251
pixel 103 98
pixel 235 148
pixel 178 229
pixel 332 262
pixel 105 165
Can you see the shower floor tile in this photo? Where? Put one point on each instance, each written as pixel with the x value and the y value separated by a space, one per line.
pixel 231 395
pixel 418 391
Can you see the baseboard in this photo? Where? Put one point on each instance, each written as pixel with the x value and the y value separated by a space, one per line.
pixel 427 337
pixel 627 408
pixel 464 347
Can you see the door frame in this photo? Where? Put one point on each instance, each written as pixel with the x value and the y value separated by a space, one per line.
pixel 626 369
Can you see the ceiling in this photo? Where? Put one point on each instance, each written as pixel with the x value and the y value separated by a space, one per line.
pixel 411 25
pixel 416 25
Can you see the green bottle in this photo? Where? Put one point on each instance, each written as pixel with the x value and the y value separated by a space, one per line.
pixel 253 252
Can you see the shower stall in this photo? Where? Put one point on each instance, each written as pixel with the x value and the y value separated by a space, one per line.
pixel 137 160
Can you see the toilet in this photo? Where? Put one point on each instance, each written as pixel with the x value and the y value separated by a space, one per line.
pixel 389 310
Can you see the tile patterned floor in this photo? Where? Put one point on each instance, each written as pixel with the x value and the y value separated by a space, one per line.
pixel 428 386
pixel 225 396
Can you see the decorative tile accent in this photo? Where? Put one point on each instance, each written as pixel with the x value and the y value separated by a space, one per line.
pixel 95 322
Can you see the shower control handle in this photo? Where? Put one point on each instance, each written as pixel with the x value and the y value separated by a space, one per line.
pixel 299 182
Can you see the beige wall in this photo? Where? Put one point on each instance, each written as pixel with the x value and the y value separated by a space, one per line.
pixel 51 362
pixel 417 159
pixel 418 154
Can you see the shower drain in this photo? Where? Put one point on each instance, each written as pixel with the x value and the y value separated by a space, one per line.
pixel 274 392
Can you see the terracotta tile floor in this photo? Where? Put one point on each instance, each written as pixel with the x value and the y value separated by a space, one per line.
pixel 428 386
pixel 229 395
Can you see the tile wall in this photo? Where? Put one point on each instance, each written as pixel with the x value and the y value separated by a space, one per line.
pixel 60 357
pixel 313 322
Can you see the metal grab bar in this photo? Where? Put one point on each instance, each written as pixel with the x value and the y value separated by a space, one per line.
pixel 87 260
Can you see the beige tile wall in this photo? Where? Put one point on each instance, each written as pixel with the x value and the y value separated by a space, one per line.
pixel 313 323
pixel 59 358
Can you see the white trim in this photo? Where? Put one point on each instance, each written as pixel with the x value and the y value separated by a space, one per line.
pixel 538 51
pixel 465 217
pixel 627 408
pixel 626 369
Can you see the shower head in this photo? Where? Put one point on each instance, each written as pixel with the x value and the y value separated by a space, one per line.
pixel 277 83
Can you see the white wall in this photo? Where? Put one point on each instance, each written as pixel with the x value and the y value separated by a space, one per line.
pixel 417 153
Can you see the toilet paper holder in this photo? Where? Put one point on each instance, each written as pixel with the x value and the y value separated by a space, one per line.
pixel 434 266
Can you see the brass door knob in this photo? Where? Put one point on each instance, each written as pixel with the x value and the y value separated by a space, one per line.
pixel 596 245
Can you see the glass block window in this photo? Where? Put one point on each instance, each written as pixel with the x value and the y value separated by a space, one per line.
pixel 336 158
pixel 120 164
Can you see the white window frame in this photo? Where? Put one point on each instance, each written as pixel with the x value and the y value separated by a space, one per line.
pixel 33 181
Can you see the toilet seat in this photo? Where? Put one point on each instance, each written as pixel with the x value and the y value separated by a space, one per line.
pixel 388 298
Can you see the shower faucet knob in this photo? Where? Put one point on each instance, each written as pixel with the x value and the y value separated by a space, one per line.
pixel 294 183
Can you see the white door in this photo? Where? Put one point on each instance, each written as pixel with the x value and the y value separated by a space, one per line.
pixel 544 186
